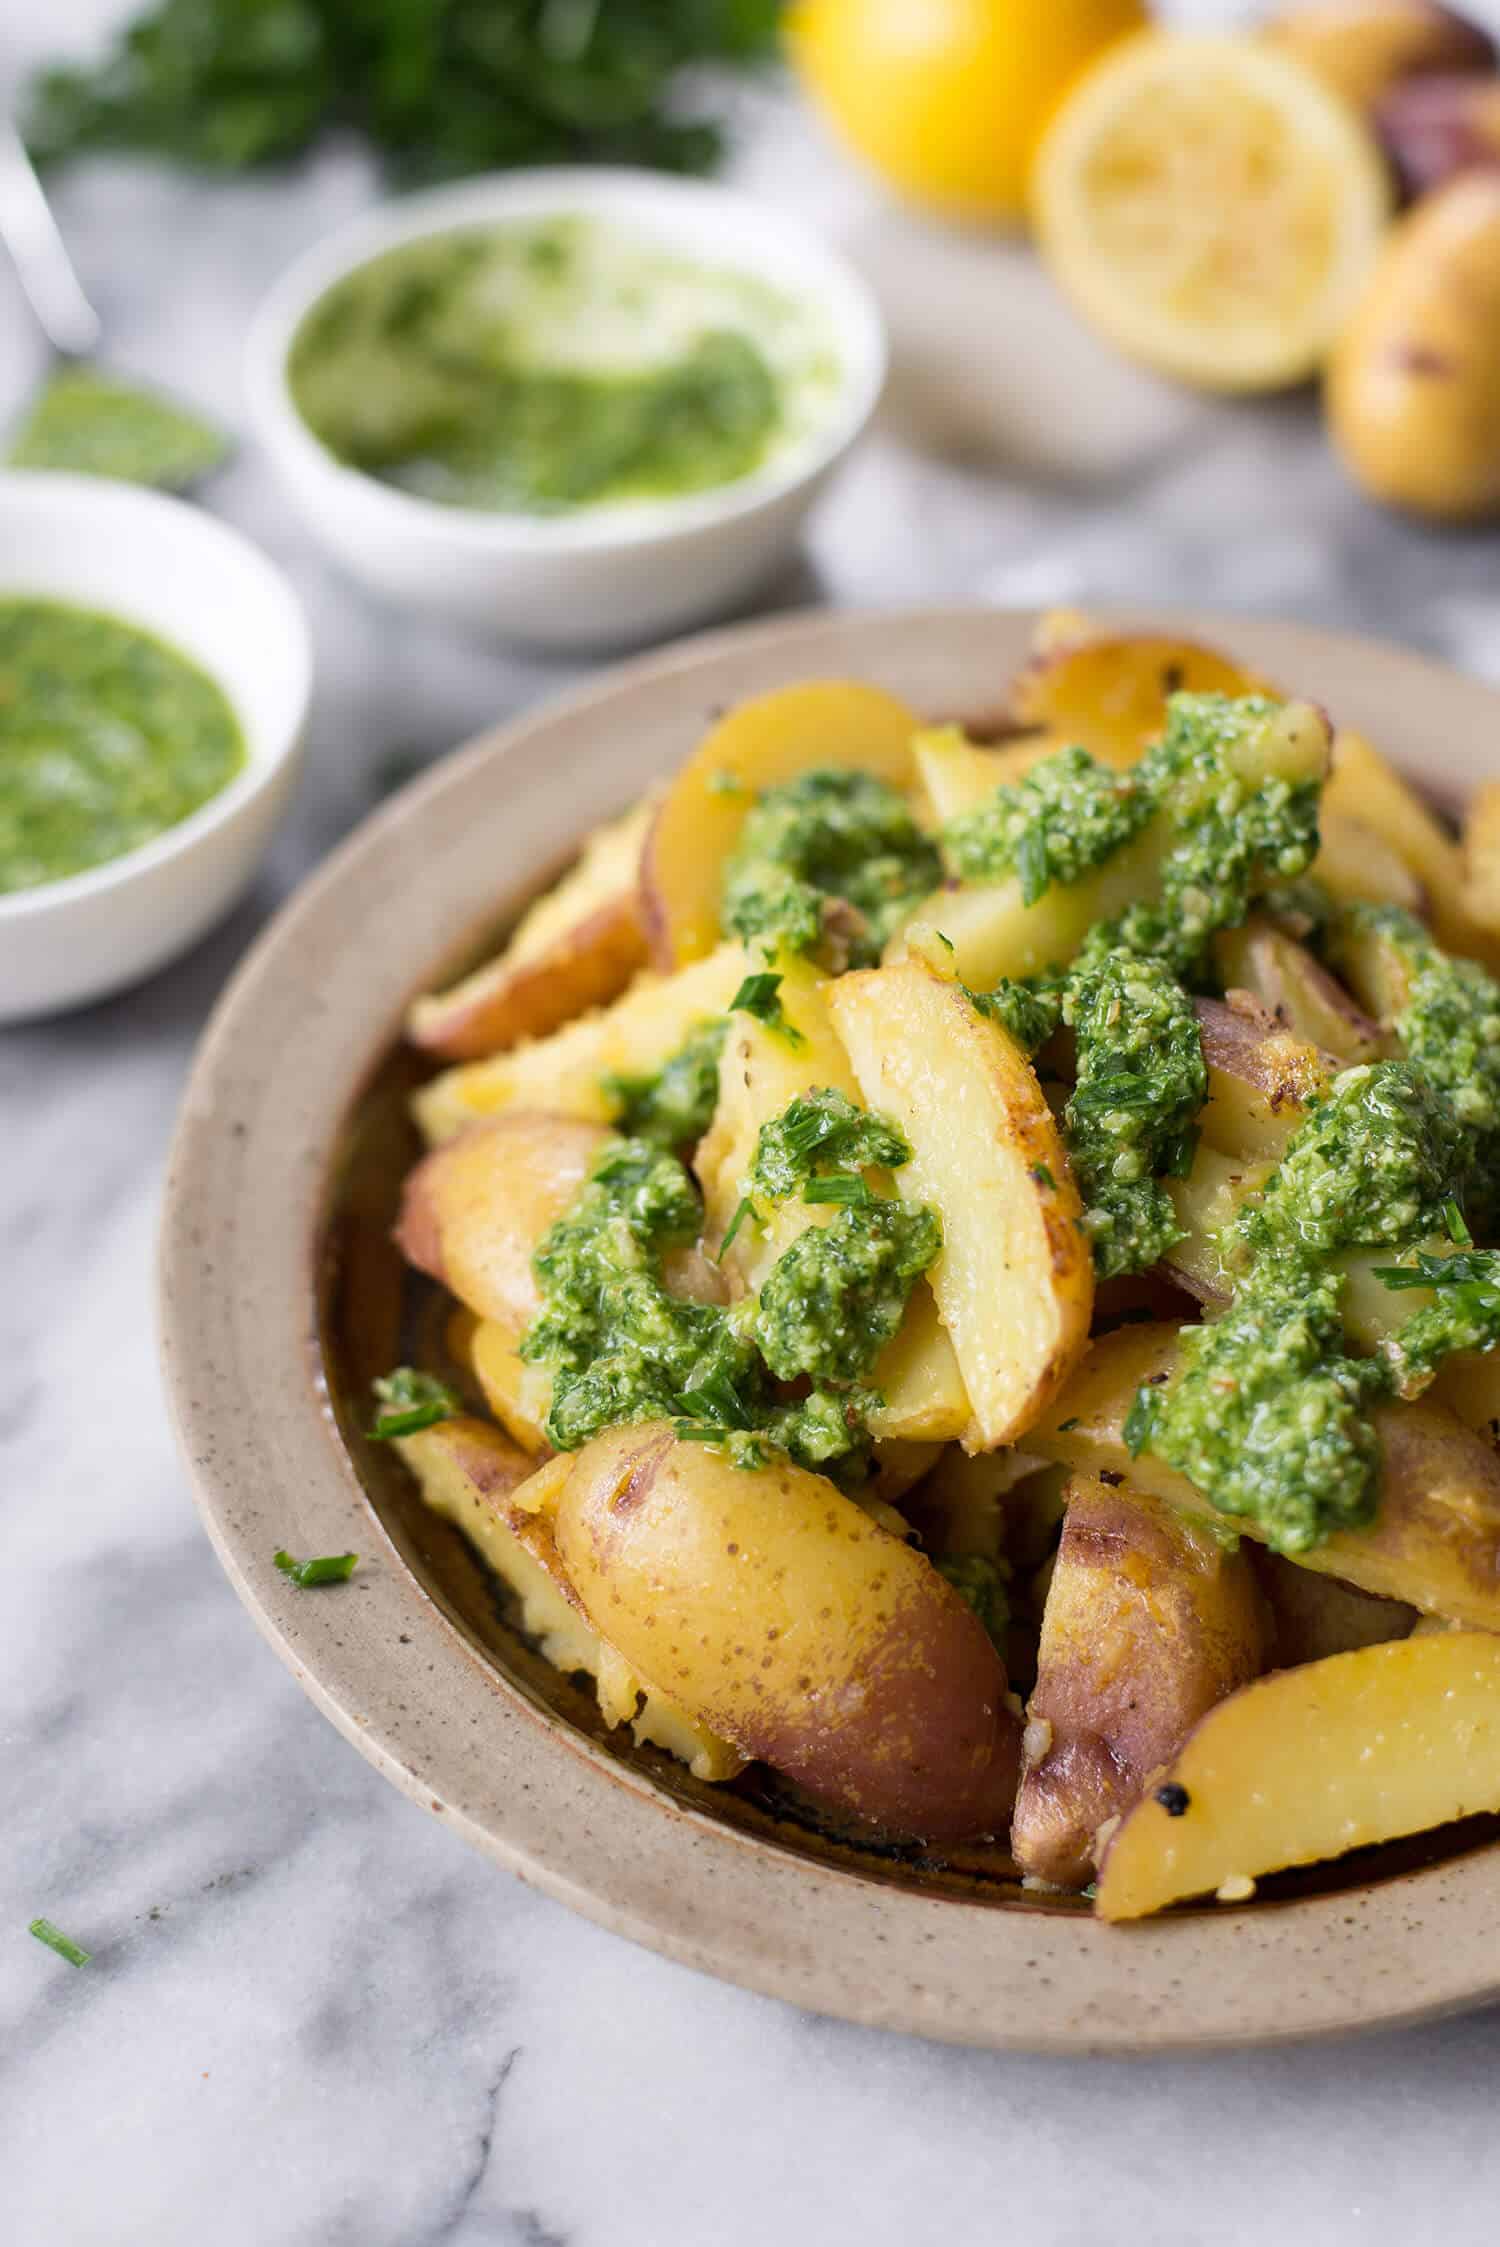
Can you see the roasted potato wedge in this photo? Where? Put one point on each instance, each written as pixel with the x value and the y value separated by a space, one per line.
pixel 1150 1619
pixel 1014 1284
pixel 761 744
pixel 474 1478
pixel 1481 858
pixel 473 1211
pixel 1309 1763
pixel 1356 864
pixel 576 949
pixel 788 1622
pixel 980 933
pixel 1365 787
pixel 519 1395
pixel 1318 1615
pixel 1107 691
pixel 566 1073
pixel 1260 1079
pixel 1435 1538
pixel 954 773
pixel 1298 990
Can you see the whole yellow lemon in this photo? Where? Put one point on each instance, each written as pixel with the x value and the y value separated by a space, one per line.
pixel 947 99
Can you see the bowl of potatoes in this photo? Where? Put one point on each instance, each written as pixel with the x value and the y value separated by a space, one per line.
pixel 872 1243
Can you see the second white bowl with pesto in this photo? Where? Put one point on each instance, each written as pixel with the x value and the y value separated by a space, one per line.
pixel 565 407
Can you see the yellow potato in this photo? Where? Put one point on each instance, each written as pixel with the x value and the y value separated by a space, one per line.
pixel 760 744
pixel 1309 1763
pixel 1481 858
pixel 1014 1284
pixel 982 932
pixel 1356 864
pixel 917 1376
pixel 1261 1078
pixel 955 774
pixel 1107 690
pixel 1469 1385
pixel 1413 391
pixel 1366 786
pixel 1208 1200
pixel 519 1395
pixel 566 1073
pixel 1363 48
pixel 789 1623
pixel 1150 1619
pixel 470 1475
pixel 473 1212
pixel 1283 975
pixel 1435 1538
pixel 577 948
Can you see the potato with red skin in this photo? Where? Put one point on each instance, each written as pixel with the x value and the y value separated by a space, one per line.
pixel 775 1612
pixel 1150 1620
pixel 474 1211
pixel 1432 128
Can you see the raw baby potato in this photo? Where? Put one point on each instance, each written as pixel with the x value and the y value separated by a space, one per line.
pixel 1362 48
pixel 1414 384
pixel 1434 127
pixel 1014 1285
pixel 761 744
pixel 1435 1538
pixel 473 1212
pixel 577 948
pixel 1150 1619
pixel 786 1621
pixel 471 1475
pixel 1309 1763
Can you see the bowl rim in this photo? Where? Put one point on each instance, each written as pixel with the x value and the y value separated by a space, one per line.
pixel 562 190
pixel 421 1701
pixel 95 497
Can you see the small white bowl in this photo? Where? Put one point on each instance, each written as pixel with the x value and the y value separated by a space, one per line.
pixel 178 573
pixel 603 575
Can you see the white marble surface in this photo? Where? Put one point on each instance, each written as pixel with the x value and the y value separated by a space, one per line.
pixel 312 2016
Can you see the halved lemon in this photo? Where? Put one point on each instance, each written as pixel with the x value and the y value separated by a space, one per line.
pixel 1210 207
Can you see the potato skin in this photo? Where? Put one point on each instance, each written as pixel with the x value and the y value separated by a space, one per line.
pixel 1362 48
pixel 778 1614
pixel 1150 1620
pixel 1414 385
pixel 473 1211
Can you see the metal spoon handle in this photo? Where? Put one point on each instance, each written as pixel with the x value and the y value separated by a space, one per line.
pixel 29 232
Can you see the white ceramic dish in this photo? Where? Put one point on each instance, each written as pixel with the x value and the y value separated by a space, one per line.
pixel 195 583
pixel 602 575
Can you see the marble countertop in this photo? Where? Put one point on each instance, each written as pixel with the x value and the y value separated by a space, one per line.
pixel 312 2016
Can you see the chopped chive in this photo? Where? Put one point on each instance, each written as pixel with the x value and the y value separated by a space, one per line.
pixel 56 1940
pixel 746 1209
pixel 1458 1231
pixel 411 1401
pixel 945 941
pixel 693 1431
pixel 1043 1176
pixel 757 996
pixel 1140 1421
pixel 846 1189
pixel 329 1568
pixel 1064 1425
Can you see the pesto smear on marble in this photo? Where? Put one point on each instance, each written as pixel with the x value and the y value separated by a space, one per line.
pixel 545 365
pixel 108 737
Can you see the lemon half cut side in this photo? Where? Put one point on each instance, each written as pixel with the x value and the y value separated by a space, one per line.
pixel 1211 208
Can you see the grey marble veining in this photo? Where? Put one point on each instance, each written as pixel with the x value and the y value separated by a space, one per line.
pixel 313 2018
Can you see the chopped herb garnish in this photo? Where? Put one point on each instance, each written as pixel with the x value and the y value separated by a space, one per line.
pixel 758 996
pixel 56 1940
pixel 822 1128
pixel 746 1209
pixel 1063 1426
pixel 1140 1420
pixel 411 1401
pixel 1453 1218
pixel 1043 1176
pixel 329 1568
pixel 847 1190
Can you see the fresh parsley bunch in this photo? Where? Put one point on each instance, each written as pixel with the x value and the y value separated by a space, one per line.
pixel 441 88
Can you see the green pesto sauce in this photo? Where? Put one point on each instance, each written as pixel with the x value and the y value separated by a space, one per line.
pixel 1064 817
pixel 674 1107
pixel 108 737
pixel 1132 1116
pixel 1269 1413
pixel 89 424
pixel 546 365
pixel 620 1347
pixel 832 863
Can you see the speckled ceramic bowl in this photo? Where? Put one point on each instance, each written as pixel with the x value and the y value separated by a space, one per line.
pixel 281 1294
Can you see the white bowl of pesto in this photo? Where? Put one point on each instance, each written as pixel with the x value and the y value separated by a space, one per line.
pixel 154 678
pixel 566 407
